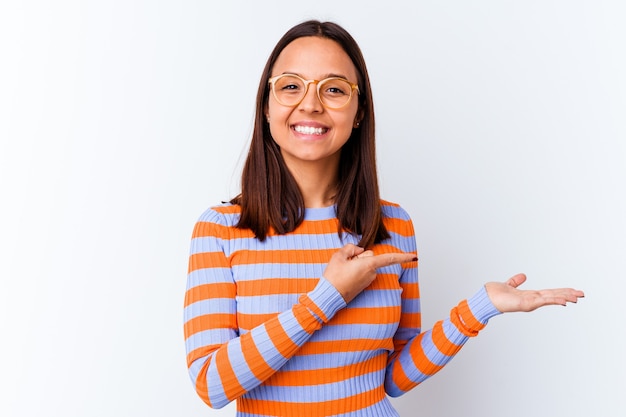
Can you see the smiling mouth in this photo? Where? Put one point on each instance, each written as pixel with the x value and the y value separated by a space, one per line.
pixel 309 130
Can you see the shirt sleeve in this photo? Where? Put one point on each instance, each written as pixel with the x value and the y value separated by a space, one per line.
pixel 223 364
pixel 418 355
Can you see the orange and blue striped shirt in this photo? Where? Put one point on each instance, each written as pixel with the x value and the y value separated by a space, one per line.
pixel 265 328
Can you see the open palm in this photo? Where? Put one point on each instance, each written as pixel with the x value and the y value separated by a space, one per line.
pixel 506 296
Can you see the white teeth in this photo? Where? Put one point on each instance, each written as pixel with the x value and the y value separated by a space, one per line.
pixel 309 130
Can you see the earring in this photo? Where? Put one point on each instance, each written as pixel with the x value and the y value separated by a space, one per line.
pixel 356 124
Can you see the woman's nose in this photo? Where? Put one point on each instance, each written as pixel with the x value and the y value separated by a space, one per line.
pixel 311 101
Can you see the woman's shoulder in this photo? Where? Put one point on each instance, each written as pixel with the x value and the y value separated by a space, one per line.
pixel 225 214
pixel 399 225
pixel 394 211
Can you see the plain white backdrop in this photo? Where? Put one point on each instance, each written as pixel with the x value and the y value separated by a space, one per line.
pixel 501 129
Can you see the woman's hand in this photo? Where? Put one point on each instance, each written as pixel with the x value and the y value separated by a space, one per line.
pixel 351 269
pixel 507 298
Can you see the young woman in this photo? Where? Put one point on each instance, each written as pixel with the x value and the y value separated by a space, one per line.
pixel 302 295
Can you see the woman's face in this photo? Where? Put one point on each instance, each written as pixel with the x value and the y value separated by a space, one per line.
pixel 309 132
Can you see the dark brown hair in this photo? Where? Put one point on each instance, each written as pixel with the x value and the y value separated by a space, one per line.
pixel 270 196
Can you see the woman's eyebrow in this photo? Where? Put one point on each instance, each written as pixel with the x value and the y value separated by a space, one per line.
pixel 328 75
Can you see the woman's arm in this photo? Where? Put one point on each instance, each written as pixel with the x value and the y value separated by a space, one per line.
pixel 224 364
pixel 418 356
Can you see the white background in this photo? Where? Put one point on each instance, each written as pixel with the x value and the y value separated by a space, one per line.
pixel 501 129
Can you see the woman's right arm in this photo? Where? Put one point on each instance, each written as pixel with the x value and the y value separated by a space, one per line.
pixel 223 364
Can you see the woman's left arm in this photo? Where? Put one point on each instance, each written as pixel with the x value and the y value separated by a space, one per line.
pixel 418 355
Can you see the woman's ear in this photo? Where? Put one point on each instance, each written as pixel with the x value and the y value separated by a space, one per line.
pixel 358 119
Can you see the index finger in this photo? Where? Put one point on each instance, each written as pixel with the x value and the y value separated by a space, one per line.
pixel 387 259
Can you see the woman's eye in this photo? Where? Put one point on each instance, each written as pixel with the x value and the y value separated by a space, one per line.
pixel 290 87
pixel 335 90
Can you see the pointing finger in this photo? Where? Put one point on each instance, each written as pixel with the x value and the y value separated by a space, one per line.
pixel 387 259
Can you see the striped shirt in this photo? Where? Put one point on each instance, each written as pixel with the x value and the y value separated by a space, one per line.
pixel 265 328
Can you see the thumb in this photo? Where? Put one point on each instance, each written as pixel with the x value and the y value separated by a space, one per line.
pixel 365 254
pixel 516 280
pixel 350 251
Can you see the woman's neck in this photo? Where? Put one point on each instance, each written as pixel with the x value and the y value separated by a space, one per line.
pixel 318 195
pixel 317 183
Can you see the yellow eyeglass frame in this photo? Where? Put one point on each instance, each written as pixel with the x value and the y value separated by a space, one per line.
pixel 272 83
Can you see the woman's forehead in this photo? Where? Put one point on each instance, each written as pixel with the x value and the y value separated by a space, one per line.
pixel 315 57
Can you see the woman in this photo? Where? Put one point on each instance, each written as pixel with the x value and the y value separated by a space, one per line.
pixel 302 295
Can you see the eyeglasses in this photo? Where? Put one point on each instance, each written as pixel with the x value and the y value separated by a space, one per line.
pixel 334 92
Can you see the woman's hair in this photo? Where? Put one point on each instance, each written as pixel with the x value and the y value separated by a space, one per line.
pixel 270 196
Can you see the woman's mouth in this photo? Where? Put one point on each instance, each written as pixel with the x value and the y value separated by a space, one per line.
pixel 310 130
